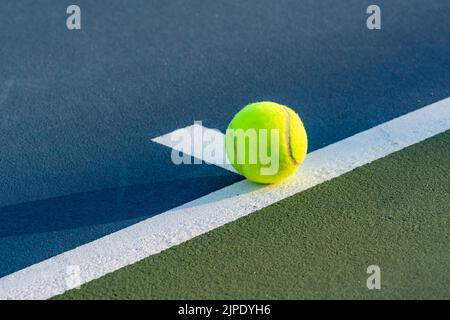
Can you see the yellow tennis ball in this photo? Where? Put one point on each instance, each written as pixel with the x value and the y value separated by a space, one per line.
pixel 266 142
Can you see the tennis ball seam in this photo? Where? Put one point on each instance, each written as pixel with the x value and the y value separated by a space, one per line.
pixel 288 136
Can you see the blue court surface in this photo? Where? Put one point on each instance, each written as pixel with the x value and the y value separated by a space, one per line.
pixel 78 109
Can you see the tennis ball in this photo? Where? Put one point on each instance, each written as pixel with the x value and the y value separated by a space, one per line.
pixel 266 142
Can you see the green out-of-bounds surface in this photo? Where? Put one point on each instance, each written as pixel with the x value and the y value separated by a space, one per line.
pixel 393 213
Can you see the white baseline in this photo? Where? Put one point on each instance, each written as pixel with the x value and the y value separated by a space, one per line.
pixel 95 259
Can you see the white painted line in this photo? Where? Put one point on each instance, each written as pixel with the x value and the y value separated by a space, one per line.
pixel 48 278
pixel 190 147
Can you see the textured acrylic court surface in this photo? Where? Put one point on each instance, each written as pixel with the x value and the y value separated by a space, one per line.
pixel 394 212
pixel 78 109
